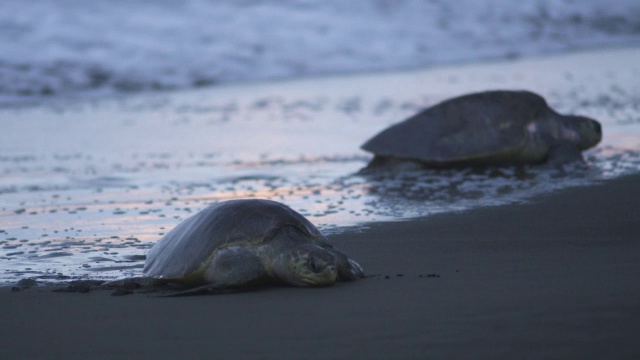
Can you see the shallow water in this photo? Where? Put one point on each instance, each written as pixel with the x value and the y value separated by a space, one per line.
pixel 88 186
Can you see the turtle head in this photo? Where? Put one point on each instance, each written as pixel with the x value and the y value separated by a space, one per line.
pixel 582 131
pixel 307 265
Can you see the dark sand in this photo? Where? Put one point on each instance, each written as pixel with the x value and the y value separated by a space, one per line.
pixel 558 278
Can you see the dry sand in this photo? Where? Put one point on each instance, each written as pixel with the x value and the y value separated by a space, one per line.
pixel 557 278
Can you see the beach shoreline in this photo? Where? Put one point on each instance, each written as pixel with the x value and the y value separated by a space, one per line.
pixel 552 278
pixel 90 186
pixel 113 135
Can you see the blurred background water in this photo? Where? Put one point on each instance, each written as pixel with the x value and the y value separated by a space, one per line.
pixel 55 47
pixel 121 118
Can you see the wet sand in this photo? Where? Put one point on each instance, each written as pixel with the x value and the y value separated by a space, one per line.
pixel 557 278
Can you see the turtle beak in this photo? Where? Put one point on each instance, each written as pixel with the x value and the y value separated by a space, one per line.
pixel 597 130
pixel 353 271
pixel 583 131
pixel 348 269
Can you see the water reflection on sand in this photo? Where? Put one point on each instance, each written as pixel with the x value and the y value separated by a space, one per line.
pixel 87 187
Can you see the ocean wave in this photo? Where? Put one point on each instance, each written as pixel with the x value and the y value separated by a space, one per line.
pixel 50 48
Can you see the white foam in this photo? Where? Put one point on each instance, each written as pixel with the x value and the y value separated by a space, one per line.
pixel 80 46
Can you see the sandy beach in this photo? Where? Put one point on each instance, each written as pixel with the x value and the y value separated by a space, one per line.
pixel 556 278
pixel 120 121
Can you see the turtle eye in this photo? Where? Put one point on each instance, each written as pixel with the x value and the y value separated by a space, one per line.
pixel 312 265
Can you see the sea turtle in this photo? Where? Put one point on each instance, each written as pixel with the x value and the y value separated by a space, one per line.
pixel 487 128
pixel 237 243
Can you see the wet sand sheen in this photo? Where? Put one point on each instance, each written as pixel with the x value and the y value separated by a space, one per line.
pixel 97 183
pixel 555 278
